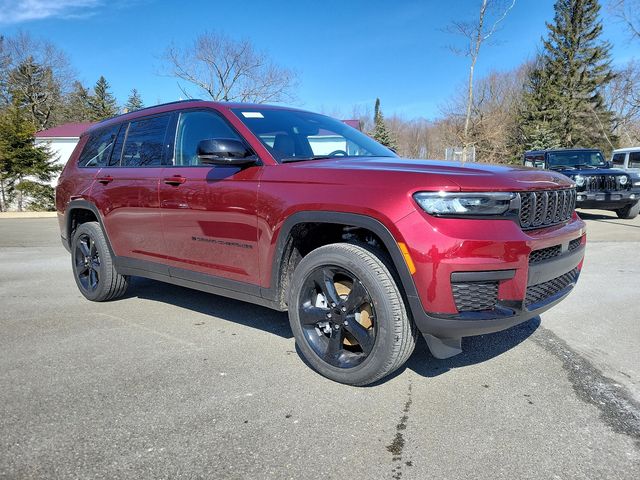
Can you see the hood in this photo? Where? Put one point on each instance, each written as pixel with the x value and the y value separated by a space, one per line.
pixel 467 176
pixel 590 171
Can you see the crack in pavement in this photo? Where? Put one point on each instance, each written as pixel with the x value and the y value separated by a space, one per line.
pixel 618 409
pixel 397 445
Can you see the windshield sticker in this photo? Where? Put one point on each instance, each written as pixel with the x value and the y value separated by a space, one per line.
pixel 252 115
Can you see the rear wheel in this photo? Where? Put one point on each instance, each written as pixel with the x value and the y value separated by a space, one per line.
pixel 348 316
pixel 629 212
pixel 92 264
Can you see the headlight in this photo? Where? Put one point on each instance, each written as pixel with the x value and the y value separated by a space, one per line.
pixel 579 179
pixel 623 179
pixel 465 203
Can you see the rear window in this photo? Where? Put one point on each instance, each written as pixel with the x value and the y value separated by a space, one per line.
pixel 618 158
pixel 145 140
pixel 98 148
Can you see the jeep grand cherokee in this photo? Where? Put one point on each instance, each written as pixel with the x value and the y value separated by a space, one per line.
pixel 296 211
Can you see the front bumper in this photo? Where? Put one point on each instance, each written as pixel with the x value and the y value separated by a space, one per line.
pixel 607 200
pixel 477 251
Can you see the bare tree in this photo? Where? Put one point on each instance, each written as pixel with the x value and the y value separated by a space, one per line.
pixel 627 11
pixel 37 74
pixel 491 14
pixel 228 70
pixel 622 96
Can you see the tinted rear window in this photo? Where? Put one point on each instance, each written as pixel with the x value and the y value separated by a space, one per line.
pixel 144 145
pixel 618 158
pixel 98 148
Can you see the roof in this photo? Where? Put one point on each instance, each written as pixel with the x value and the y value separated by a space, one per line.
pixel 68 130
pixel 577 149
pixel 353 123
pixel 628 149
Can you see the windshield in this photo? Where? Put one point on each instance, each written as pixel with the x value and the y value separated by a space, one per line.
pixel 291 135
pixel 570 158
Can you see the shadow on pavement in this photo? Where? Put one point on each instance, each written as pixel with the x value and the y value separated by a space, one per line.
pixel 475 349
pixel 236 311
pixel 613 219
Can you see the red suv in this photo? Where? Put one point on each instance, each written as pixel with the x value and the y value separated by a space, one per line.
pixel 297 211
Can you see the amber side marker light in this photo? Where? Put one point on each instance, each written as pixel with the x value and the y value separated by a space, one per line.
pixel 407 258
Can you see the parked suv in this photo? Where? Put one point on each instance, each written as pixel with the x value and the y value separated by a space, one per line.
pixel 597 184
pixel 296 211
pixel 628 159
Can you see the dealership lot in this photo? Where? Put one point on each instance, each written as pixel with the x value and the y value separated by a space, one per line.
pixel 170 382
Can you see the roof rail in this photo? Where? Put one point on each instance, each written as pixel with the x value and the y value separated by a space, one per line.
pixel 168 103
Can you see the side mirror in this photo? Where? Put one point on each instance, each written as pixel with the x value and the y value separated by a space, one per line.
pixel 609 164
pixel 224 151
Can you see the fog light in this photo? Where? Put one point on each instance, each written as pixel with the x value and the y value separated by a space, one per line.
pixel 632 196
pixel 581 197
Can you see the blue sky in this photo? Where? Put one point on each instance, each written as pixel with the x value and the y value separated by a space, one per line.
pixel 346 52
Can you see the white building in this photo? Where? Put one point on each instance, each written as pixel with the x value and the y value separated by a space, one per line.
pixel 62 140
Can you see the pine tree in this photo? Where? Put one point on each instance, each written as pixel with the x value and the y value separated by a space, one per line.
pixel 77 107
pixel 563 102
pixel 134 102
pixel 25 169
pixel 380 132
pixel 102 103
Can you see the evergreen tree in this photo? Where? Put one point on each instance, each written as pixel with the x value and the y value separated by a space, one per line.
pixel 380 132
pixel 25 169
pixel 77 107
pixel 102 103
pixel 134 102
pixel 563 102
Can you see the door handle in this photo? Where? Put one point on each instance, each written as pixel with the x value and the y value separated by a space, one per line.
pixel 104 180
pixel 175 180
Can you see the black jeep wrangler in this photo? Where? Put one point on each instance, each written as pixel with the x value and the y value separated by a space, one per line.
pixel 597 184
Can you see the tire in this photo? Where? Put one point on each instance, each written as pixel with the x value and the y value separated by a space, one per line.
pixel 368 333
pixel 92 265
pixel 629 212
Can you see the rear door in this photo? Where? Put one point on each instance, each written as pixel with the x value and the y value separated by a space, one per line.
pixel 127 190
pixel 209 211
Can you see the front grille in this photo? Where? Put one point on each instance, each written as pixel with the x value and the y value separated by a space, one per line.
pixel 542 209
pixel 543 254
pixel 606 183
pixel 475 296
pixel 542 291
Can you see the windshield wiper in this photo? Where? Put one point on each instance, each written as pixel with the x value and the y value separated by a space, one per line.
pixel 580 165
pixel 561 167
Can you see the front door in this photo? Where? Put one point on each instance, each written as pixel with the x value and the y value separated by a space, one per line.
pixel 209 211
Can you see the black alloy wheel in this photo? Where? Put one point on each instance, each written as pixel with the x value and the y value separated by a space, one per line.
pixel 337 316
pixel 87 261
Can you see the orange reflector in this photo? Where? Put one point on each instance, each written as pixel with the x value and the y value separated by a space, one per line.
pixel 407 257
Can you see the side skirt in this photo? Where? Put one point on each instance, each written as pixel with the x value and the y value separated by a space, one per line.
pixel 245 292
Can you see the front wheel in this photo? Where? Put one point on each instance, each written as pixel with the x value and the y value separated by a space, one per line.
pixel 629 212
pixel 348 316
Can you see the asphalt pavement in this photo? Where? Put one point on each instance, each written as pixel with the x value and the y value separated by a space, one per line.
pixel 173 383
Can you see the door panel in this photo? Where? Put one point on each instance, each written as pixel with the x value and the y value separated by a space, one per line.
pixel 130 210
pixel 210 222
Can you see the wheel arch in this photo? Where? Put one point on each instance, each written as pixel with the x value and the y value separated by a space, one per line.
pixel 281 267
pixel 82 211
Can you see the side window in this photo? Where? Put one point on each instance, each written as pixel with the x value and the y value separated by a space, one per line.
pixel 97 149
pixel 618 159
pixel 116 154
pixel 634 160
pixel 144 144
pixel 194 127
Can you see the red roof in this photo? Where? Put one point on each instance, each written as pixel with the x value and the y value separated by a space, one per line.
pixel 353 123
pixel 68 130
